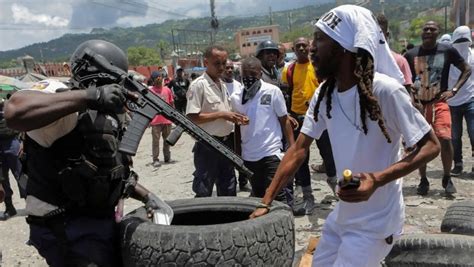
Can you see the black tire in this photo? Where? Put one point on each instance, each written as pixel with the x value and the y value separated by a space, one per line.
pixel 210 232
pixel 432 250
pixel 459 218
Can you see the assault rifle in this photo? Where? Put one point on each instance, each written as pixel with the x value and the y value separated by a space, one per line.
pixel 146 107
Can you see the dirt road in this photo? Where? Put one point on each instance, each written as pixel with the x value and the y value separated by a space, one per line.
pixel 173 181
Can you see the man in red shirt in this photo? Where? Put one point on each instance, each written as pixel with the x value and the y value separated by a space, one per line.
pixel 160 126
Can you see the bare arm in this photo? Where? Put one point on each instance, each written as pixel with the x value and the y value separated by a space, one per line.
pixel 28 110
pixel 201 117
pixel 287 129
pixel 290 163
pixel 426 150
pixel 465 74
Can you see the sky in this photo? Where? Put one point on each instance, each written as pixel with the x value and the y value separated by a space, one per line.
pixel 24 22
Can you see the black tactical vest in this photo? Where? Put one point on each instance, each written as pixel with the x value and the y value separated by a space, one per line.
pixel 83 171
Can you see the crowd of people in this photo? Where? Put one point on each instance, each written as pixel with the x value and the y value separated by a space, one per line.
pixel 378 113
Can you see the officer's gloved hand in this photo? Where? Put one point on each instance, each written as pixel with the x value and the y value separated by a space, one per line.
pixel 156 207
pixel 107 98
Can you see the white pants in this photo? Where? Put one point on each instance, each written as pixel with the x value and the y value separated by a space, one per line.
pixel 344 248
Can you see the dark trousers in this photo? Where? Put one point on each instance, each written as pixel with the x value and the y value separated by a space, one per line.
pixel 180 105
pixel 325 150
pixel 90 241
pixel 465 111
pixel 213 168
pixel 9 149
pixel 263 172
pixel 242 178
pixel 302 176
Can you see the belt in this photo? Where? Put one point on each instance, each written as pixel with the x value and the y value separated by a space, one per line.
pixel 222 138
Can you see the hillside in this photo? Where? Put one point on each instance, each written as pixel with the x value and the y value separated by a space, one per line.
pixel 60 49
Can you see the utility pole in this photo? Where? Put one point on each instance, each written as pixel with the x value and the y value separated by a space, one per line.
pixel 271 15
pixel 214 21
pixel 445 19
pixel 289 20
pixel 382 2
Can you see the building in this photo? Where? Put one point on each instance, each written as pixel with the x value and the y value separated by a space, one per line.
pixel 248 39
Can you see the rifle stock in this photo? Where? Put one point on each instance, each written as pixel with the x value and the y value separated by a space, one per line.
pixel 147 106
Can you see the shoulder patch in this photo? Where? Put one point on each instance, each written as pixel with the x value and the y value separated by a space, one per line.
pixel 266 99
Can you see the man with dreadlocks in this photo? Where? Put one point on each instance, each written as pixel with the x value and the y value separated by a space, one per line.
pixel 366 110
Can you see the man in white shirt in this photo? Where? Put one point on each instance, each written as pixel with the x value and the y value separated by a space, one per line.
pixel 365 113
pixel 208 106
pixel 232 86
pixel 261 138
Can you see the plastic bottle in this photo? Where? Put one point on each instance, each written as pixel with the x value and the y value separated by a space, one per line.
pixel 348 180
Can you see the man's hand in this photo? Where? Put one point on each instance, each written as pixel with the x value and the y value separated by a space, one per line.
pixel 294 122
pixel 258 212
pixel 446 95
pixel 108 98
pixel 235 117
pixel 365 190
pixel 153 202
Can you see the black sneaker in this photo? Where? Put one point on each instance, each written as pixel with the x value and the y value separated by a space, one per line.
pixel 423 187
pixel 448 185
pixel 457 170
pixel 9 212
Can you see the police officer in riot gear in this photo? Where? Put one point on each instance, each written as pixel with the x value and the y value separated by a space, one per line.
pixel 267 52
pixel 76 173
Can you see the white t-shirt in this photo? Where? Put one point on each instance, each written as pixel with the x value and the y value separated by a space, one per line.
pixel 262 136
pixel 45 136
pixel 383 214
pixel 234 86
pixel 466 92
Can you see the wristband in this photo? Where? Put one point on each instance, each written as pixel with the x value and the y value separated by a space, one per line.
pixel 263 206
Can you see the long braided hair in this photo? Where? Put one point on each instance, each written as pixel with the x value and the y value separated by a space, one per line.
pixel 364 72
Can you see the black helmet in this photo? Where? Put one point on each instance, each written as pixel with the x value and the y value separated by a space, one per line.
pixel 267 45
pixel 108 50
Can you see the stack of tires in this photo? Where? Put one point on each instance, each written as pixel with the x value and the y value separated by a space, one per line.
pixel 210 232
pixel 454 247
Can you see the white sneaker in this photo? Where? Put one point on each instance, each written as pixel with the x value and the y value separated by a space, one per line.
pixel 156 164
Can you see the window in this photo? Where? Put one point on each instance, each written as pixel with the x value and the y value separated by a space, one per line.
pixel 253 32
pixel 258 32
pixel 264 30
pixel 255 43
pixel 243 45
pixel 269 30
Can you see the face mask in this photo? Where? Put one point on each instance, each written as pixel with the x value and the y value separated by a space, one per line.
pixel 463 49
pixel 249 81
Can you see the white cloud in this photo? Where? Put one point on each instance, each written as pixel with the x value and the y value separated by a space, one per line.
pixel 22 14
pixel 51 19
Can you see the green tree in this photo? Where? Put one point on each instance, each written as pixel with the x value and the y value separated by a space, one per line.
pixel 140 55
pixel 301 31
pixel 8 64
